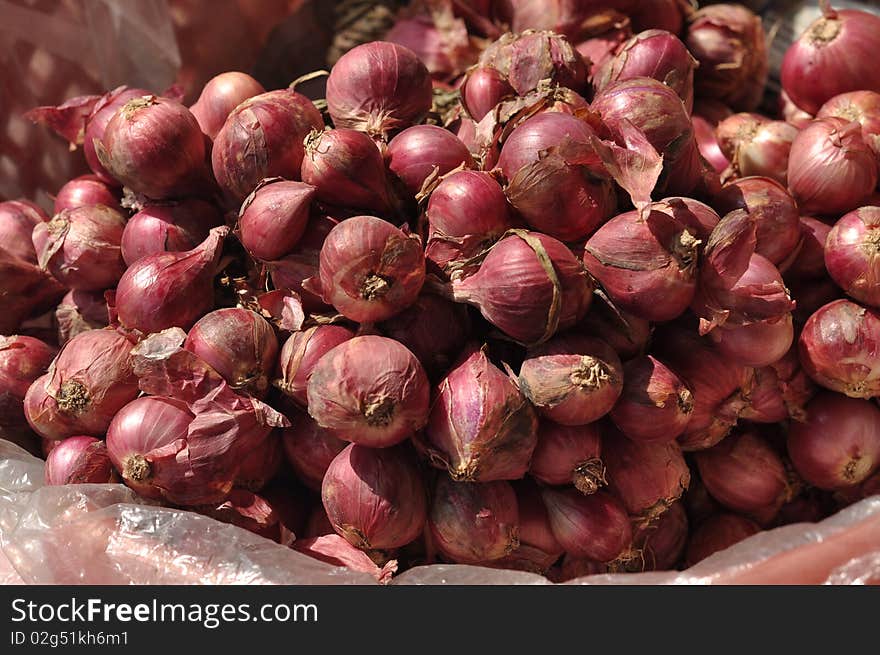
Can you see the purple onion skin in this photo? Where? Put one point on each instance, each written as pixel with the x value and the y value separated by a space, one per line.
pixel 87 190
pixel 17 221
pixel 852 254
pixel 274 217
pixel 170 227
pixel 423 151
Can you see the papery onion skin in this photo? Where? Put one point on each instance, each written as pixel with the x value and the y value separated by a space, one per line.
pixel 309 448
pixel 423 151
pixel 852 254
pixel 220 95
pixel 79 460
pixel 780 391
pixel 569 455
pixel 80 311
pixel 767 153
pixel 831 170
pixel 838 445
pixel 756 344
pixel 594 526
pixel 17 221
pixel 369 390
pixel 301 352
pixel 370 270
pixel 87 190
pixel 378 88
pixel 23 359
pixel 708 144
pixel 862 107
pixel 473 522
pixel 737 129
pixel 374 497
pixel 483 89
pixel 572 379
pixel 168 227
pixel 716 534
pixel 444 55
pixel 273 218
pixel 481 428
pixel 834 55
pixel 840 349
pixel 655 404
pixel 240 345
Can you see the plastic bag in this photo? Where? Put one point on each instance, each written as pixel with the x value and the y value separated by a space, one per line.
pixel 105 534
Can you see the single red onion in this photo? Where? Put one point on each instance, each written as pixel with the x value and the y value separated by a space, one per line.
pixel 840 349
pixel 90 380
pixel 154 146
pixel 810 261
pixel 424 152
pixel 572 379
pixel 662 544
pixel 170 289
pixel 831 57
pixel 289 272
pixel 261 464
pixel 378 88
pixel 220 96
pixel 273 218
pixel 569 455
pixel 483 89
pixel 309 448
pixel 81 247
pixel 728 42
pixel 79 460
pixel 627 334
pixel 718 533
pixel 735 129
pixel 80 311
pixel 780 391
pixel 656 54
pixel 708 143
pixel 369 390
pixel 743 472
pixel 22 360
pixel 529 286
pixel 838 445
pixel 301 352
pixel 647 265
pixel 767 152
pixel 755 344
pixel 240 345
pixel 647 477
pixel 655 404
pixel 852 254
pixel 481 428
pixel 96 123
pixel 17 221
pixel 434 329
pixel 862 107
pixel 474 522
pixel 831 170
pixel 262 138
pixel 369 270
pixel 594 526
pixel 550 186
pixel 87 190
pixel 374 497
pixel 168 227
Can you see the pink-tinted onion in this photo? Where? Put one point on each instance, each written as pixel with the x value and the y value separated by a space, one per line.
pixel 860 106
pixel 301 352
pixel 17 221
pixel 602 33
pixel 247 510
pixel 79 460
pixel 756 344
pixel 168 227
pixel 767 152
pixel 96 124
pixel 422 152
pixel 87 190
pixel 273 218
pixel 810 261
pixel 222 94
pixel 716 534
pixel 594 526
pixel 708 144
pixel 483 89
pixel 736 129
pixel 443 45
pixel 309 448
pixel 852 254
pixel 22 360
pixel 569 455
pixel 779 391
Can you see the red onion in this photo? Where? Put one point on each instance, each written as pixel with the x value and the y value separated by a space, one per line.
pixel 529 286
pixel 220 96
pixel 594 526
pixel 79 460
pixel 17 221
pixel 90 380
pixel 569 455
pixel 292 270
pixel 838 445
pixel 780 391
pixel 549 184
pixel 261 464
pixel 378 88
pixel 22 360
pixel 862 107
pixel 170 289
pixel 755 344
pixel 736 129
pixel 627 334
pixel 767 152
pixel 840 349
pixel 831 57
pixel 646 265
pixel 309 448
pixel 474 522
pixel 852 254
pixel 369 270
pixel 572 379
pixel 434 329
pixel 301 352
pixel 443 44
pixel 647 477
pixel 80 311
pixel 655 405
pixel 716 534
pixel 810 261
pixel 662 543
pixel 424 152
pixel 481 428
pixel 96 124
pixel 774 211
pixel 483 89
pixel 729 43
pixel 240 345
pixel 261 138
pixel 656 54
pixel 831 170
pixel 374 497
pixel 87 190
pixel 273 218
pixel 81 247
pixel 708 143
pixel 168 227
pixel 743 472
pixel 154 146
pixel 369 390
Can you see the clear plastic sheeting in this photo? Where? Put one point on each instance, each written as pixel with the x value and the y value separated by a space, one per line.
pixel 105 534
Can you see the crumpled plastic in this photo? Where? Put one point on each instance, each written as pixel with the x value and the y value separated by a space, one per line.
pixel 105 534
